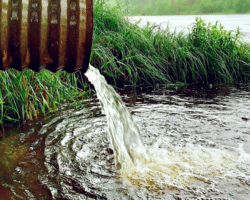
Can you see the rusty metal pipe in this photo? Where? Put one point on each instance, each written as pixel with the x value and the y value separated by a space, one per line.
pixel 46 34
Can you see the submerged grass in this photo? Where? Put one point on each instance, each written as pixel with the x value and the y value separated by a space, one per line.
pixel 128 54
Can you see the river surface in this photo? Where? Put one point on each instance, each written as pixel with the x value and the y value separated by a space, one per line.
pixel 182 22
pixel 203 133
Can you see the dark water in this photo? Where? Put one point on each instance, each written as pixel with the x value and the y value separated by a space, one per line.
pixel 204 134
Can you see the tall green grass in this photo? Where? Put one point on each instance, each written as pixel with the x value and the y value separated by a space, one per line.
pixel 23 95
pixel 128 54
pixel 121 50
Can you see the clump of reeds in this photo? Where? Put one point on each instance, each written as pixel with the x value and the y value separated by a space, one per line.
pixel 23 95
pixel 128 54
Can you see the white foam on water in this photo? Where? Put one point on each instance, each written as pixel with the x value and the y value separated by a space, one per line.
pixel 161 167
pixel 244 157
pixel 200 171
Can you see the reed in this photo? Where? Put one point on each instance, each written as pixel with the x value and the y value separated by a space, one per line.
pixel 128 54
pixel 23 95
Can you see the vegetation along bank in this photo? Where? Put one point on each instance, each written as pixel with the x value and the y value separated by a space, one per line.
pixel 128 54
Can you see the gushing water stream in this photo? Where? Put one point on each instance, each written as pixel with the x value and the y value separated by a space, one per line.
pixel 168 168
pixel 123 132
pixel 172 147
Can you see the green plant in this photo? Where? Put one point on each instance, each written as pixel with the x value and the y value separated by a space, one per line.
pixel 23 95
pixel 128 54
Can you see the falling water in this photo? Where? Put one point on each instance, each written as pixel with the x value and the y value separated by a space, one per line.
pixel 158 169
pixel 187 148
pixel 123 132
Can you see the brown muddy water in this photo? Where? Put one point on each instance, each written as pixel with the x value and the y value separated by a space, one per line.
pixel 201 135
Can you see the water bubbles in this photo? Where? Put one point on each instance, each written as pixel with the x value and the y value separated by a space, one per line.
pixel 188 159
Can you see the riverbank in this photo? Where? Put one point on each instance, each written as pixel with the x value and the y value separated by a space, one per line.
pixel 129 55
pixel 138 56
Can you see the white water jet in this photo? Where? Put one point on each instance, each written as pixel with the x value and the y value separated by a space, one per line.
pixel 123 132
pixel 199 151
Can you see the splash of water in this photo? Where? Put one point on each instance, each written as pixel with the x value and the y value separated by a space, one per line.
pixel 124 134
pixel 190 168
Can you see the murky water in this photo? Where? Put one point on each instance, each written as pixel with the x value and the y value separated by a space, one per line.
pixel 198 140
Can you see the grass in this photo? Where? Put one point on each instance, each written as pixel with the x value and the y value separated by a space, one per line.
pixel 23 95
pixel 128 54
